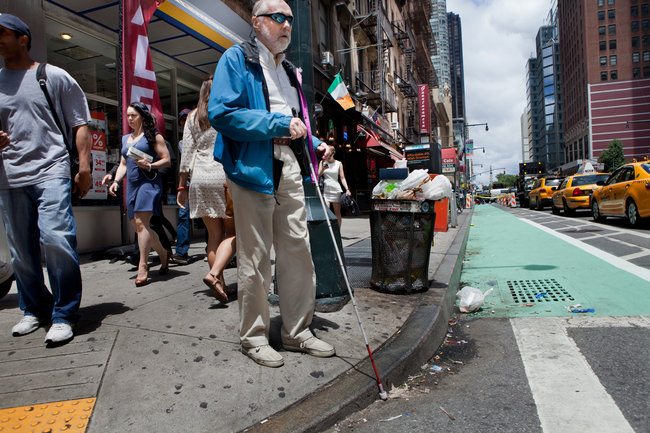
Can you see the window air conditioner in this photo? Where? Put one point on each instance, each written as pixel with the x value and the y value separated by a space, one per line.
pixel 327 59
pixel 394 125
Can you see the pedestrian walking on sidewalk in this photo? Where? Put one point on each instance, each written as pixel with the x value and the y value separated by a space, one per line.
pixel 181 257
pixel 206 193
pixel 35 184
pixel 255 94
pixel 144 184
pixel 333 176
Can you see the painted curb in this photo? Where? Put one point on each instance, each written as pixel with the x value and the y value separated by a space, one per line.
pixel 402 354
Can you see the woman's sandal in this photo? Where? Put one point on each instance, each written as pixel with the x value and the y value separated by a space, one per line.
pixel 139 282
pixel 217 286
pixel 164 264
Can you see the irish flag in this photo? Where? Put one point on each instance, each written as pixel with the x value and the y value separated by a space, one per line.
pixel 340 92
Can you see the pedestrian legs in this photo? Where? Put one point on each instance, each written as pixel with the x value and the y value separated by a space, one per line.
pixel 47 206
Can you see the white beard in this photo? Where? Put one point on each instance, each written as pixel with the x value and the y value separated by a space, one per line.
pixel 276 47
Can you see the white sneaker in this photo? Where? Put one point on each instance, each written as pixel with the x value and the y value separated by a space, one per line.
pixel 264 355
pixel 26 325
pixel 58 333
pixel 312 346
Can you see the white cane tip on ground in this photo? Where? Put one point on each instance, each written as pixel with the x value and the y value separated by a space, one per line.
pixel 383 395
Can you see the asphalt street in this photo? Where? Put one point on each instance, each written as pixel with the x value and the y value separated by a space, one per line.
pixel 535 367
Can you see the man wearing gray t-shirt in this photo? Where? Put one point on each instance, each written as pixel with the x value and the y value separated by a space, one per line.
pixel 35 184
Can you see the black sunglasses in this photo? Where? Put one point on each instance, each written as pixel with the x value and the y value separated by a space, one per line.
pixel 278 17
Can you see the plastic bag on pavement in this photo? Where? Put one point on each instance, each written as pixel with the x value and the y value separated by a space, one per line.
pixel 471 299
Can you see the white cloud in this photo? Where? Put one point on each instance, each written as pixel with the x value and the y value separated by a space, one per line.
pixel 498 39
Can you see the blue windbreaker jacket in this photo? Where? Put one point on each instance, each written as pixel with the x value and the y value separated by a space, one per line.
pixel 239 110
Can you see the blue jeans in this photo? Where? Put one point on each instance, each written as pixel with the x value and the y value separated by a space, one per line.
pixel 183 231
pixel 38 219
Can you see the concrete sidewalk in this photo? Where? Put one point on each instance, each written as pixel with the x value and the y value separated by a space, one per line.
pixel 165 357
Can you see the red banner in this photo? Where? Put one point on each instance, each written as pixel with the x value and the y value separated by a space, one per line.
pixel 138 76
pixel 425 109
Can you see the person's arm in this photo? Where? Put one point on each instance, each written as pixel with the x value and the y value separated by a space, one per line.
pixel 164 160
pixel 187 161
pixel 342 177
pixel 83 179
pixel 188 154
pixel 119 175
pixel 227 106
pixel 4 139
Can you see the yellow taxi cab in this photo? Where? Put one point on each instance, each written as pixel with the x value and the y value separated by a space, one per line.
pixel 626 193
pixel 542 191
pixel 575 192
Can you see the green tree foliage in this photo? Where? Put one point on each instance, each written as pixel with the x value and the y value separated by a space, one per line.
pixel 508 180
pixel 613 157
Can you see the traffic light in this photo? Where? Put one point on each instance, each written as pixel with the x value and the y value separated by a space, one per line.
pixel 526 168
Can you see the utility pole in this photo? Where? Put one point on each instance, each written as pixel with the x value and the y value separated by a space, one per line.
pixel 490 184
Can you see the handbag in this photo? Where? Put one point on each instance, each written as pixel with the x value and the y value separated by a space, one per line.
pixel 41 77
pixel 350 204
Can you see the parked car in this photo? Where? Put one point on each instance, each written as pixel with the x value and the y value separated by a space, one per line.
pixel 575 192
pixel 524 186
pixel 626 194
pixel 540 195
pixel 6 271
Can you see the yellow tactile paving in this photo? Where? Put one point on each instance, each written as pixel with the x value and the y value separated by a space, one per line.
pixel 70 416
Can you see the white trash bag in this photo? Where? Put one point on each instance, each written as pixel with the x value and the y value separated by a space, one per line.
pixel 471 299
pixel 414 179
pixel 437 188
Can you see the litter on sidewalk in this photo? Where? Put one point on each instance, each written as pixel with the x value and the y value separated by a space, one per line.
pixel 471 299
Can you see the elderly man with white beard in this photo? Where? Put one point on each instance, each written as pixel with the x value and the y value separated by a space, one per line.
pixel 258 108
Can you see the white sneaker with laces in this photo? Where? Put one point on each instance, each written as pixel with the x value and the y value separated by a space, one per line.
pixel 26 325
pixel 58 333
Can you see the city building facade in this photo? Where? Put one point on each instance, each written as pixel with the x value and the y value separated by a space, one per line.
pixel 381 48
pixel 545 98
pixel 605 51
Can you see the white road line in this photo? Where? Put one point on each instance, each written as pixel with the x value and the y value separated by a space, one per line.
pixel 567 393
pixel 606 322
pixel 609 258
pixel 636 255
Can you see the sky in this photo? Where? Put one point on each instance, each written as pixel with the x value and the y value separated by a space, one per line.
pixel 498 39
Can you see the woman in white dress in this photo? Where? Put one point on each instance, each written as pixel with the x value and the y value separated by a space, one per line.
pixel 332 171
pixel 206 191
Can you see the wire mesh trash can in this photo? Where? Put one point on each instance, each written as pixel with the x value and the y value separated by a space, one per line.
pixel 401 233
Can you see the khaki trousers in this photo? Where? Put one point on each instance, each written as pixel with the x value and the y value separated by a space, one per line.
pixel 261 223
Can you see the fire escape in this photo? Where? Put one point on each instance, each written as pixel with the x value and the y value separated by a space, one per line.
pixel 371 20
pixel 419 15
pixel 405 81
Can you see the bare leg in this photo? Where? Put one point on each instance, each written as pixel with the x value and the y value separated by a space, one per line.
pixel 226 248
pixel 147 239
pixel 214 227
pixel 337 212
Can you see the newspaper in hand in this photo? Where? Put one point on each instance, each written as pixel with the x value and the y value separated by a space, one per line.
pixel 137 154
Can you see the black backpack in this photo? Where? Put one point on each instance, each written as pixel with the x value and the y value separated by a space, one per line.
pixel 41 76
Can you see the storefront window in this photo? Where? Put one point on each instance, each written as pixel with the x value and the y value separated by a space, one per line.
pixel 91 62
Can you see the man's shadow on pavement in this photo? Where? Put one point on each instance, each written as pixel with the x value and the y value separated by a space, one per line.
pixel 92 316
pixel 318 323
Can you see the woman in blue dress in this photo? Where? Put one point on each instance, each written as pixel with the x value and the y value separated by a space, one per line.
pixel 144 184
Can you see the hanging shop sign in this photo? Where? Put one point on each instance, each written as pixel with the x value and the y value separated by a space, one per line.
pixel 425 109
pixel 449 160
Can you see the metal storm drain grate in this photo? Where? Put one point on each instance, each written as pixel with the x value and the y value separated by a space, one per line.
pixel 547 290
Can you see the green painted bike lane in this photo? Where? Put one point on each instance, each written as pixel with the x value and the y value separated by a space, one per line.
pixel 536 274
